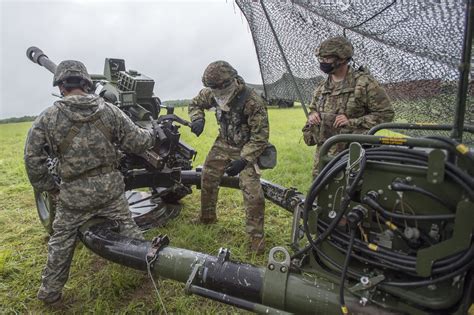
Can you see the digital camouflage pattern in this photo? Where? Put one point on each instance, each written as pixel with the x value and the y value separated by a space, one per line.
pixel 90 183
pixel 71 68
pixel 243 134
pixel 335 46
pixel 62 243
pixel 218 73
pixel 359 96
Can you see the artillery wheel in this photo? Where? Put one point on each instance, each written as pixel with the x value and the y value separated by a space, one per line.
pixel 46 207
pixel 146 212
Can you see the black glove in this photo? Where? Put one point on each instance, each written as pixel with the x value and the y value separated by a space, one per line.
pixel 235 167
pixel 197 126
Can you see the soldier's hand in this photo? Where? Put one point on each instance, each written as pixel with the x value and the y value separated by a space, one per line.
pixel 197 126
pixel 314 118
pixel 340 121
pixel 235 167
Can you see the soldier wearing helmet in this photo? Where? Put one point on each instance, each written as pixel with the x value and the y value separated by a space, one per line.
pixel 349 101
pixel 243 136
pixel 82 133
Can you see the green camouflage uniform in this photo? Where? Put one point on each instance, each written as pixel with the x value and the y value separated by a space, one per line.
pixel 359 96
pixel 91 185
pixel 242 137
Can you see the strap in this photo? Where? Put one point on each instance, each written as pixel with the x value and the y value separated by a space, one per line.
pixel 99 124
pixel 91 173
pixel 73 132
pixel 223 117
pixel 242 97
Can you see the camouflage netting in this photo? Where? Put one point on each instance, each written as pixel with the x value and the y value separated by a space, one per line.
pixel 412 47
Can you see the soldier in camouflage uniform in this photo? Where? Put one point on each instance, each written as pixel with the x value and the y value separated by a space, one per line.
pixel 82 131
pixel 348 101
pixel 243 136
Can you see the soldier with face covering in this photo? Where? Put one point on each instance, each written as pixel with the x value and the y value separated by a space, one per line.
pixel 243 136
pixel 349 101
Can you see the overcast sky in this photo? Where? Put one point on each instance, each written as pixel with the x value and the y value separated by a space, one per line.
pixel 169 41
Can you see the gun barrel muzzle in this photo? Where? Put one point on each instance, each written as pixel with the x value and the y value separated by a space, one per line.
pixel 36 55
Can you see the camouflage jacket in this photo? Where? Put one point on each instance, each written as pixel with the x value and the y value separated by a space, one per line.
pixel 100 130
pixel 244 126
pixel 359 96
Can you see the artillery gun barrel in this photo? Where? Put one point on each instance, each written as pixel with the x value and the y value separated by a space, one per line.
pixel 37 56
pixel 219 278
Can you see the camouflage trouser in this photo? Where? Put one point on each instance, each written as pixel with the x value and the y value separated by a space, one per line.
pixel 62 243
pixel 249 181
pixel 333 151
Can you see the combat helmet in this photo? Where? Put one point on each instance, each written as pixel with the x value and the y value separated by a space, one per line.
pixel 336 46
pixel 71 69
pixel 218 74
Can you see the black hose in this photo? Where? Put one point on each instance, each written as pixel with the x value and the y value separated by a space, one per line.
pixel 370 201
pixel 400 186
pixel 344 272
pixel 345 202
pixel 367 253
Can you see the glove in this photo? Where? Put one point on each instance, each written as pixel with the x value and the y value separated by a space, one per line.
pixel 197 126
pixel 235 167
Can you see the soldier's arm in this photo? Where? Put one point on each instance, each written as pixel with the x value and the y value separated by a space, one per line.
pixel 35 157
pixel 130 137
pixel 259 130
pixel 313 106
pixel 202 101
pixel 378 106
pixel 314 117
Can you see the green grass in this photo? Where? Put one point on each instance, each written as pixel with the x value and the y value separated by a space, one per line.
pixel 99 286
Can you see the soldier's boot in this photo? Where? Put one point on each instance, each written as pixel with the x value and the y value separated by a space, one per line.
pixel 48 298
pixel 257 244
pixel 205 218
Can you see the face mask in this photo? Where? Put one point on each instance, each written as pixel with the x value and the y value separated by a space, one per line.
pixel 224 96
pixel 327 67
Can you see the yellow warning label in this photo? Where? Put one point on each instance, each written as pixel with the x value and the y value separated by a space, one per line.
pixel 462 148
pixel 393 140
pixel 373 247
pixel 391 226
pixel 344 309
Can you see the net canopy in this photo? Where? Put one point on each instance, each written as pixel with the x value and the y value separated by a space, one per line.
pixel 412 47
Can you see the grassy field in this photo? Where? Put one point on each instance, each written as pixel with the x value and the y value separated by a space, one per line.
pixel 99 286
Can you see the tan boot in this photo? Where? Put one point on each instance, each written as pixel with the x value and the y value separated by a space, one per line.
pixel 49 298
pixel 205 219
pixel 257 244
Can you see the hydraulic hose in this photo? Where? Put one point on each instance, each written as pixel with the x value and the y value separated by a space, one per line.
pixel 344 272
pixel 373 254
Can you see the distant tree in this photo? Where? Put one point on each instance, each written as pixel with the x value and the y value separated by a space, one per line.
pixel 177 103
pixel 17 119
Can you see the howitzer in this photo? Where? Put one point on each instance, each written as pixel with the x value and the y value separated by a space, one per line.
pixel 386 228
pixel 157 168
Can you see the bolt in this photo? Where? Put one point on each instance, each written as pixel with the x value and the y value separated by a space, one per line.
pixel 363 301
pixel 283 269
pixel 332 214
pixel 271 266
pixel 364 280
pixel 330 197
pixel 380 192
